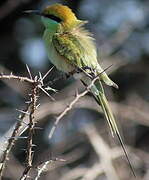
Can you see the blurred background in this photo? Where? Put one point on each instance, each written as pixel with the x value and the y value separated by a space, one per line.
pixel 82 138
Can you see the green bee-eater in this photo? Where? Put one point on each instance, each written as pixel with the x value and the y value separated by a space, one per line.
pixel 71 47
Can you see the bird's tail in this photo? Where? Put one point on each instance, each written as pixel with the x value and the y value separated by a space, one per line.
pixel 98 92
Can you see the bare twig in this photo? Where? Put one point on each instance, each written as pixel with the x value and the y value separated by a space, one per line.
pixel 33 107
pixel 41 170
pixel 20 78
pixel 31 131
pixel 78 96
pixel 69 107
pixel 43 167
pixel 12 140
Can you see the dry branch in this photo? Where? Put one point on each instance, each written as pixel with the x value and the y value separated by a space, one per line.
pixel 14 135
pixel 37 84
pixel 11 141
pixel 31 126
pixel 44 166
pixel 69 107
pixel 19 78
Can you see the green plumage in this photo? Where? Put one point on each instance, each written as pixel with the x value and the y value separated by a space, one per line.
pixel 68 46
pixel 79 50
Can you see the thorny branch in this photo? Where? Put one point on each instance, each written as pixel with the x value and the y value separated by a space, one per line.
pixel 37 84
pixel 44 166
pixel 78 96
pixel 33 107
pixel 69 107
pixel 19 78
pixel 12 140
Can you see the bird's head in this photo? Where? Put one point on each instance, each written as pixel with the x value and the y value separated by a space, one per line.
pixel 58 16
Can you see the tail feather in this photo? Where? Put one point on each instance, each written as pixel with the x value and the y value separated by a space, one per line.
pixel 99 95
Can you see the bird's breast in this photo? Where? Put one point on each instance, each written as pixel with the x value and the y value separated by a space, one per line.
pixel 56 59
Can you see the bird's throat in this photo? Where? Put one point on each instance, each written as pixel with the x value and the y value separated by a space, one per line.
pixel 50 25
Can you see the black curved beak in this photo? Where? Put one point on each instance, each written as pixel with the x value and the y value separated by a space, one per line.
pixel 36 12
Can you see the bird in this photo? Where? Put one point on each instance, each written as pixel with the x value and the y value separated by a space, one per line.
pixel 71 48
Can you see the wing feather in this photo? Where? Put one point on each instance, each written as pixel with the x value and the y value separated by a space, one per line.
pixel 68 46
pixel 77 47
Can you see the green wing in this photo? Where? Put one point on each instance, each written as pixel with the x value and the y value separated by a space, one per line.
pixel 68 45
pixel 78 48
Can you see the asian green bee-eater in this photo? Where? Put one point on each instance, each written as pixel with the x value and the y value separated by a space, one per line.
pixel 71 47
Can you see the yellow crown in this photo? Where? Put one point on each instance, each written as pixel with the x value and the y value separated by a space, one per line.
pixel 62 12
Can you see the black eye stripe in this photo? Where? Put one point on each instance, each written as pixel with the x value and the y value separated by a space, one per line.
pixel 52 17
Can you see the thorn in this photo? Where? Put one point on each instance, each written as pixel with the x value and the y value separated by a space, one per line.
pixel 22 111
pixel 47 73
pixel 31 99
pixel 40 78
pixel 46 93
pixel 23 137
pixel 17 137
pixel 37 106
pixel 51 89
pixel 34 145
pixel 35 78
pixel 28 102
pixel 29 72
